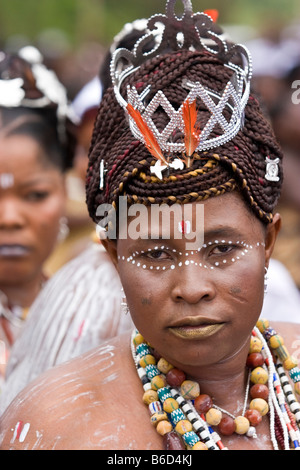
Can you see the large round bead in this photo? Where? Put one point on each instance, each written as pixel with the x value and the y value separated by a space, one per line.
pixel 276 341
pixel 175 377
pixel 163 427
pixel 226 426
pixel 260 405
pixel 259 391
pixel 255 345
pixel 290 363
pixel 255 360
pixel 158 381
pixel 259 376
pixel 213 417
pixel 183 426
pixel 203 403
pixel 172 441
pixel 254 417
pixel 200 446
pixel 147 360
pixel 150 396
pixel 262 324
pixel 164 366
pixel 157 417
pixel 170 404
pixel 242 425
pixel 190 389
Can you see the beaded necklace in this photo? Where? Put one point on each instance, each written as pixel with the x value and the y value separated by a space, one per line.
pixel 186 419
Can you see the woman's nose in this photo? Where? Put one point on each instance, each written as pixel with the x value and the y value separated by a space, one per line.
pixel 193 284
pixel 11 216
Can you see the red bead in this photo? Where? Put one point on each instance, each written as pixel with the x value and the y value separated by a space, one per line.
pixel 226 426
pixel 172 441
pixel 203 403
pixel 255 360
pixel 259 391
pixel 254 417
pixel 175 377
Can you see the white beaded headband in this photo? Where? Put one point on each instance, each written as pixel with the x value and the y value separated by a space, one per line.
pixel 193 31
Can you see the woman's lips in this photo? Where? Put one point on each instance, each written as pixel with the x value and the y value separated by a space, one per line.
pixel 196 329
pixel 13 251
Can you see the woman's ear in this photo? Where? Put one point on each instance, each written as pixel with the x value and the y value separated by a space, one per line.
pixel 111 248
pixel 271 236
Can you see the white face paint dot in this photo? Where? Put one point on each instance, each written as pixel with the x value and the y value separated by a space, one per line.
pixel 172 267
pixel 187 263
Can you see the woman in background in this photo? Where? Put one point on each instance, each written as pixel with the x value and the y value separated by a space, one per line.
pixel 34 153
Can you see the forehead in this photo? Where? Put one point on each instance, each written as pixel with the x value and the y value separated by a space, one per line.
pixel 20 155
pixel 225 215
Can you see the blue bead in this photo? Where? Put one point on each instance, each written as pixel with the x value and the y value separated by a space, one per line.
pixel 176 416
pixel 152 371
pixel 190 438
pixel 164 393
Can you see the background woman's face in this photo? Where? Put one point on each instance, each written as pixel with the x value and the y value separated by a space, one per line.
pixel 32 200
pixel 202 304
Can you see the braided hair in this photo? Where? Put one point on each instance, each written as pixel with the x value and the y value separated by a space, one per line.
pixel 236 165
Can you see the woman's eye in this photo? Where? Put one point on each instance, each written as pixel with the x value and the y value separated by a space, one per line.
pixel 222 249
pixel 37 195
pixel 157 255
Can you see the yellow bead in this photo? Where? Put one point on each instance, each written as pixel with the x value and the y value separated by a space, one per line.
pixel 255 345
pixel 200 446
pixel 260 405
pixel 147 360
pixel 157 417
pixel 276 341
pixel 262 324
pixel 190 389
pixel 164 366
pixel 159 381
pixel 213 417
pixel 170 404
pixel 297 388
pixel 150 396
pixel 183 426
pixel 290 363
pixel 259 376
pixel 163 427
pixel 242 425
pixel 138 339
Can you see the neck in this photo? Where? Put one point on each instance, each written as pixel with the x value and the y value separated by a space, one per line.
pixel 216 380
pixel 23 294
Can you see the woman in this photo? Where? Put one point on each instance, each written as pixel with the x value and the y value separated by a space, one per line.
pixel 33 157
pixel 195 307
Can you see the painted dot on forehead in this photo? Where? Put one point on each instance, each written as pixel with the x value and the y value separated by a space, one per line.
pixel 6 180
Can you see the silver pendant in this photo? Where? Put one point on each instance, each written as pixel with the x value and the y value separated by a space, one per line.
pixel 272 170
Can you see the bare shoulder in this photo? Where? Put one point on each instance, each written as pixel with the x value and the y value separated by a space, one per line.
pixel 68 406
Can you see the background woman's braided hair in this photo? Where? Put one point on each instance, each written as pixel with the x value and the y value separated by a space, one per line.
pixel 239 164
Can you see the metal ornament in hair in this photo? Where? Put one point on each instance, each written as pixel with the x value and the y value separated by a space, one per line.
pixel 193 31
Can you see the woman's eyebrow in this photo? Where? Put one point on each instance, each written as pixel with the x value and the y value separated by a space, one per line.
pixel 223 232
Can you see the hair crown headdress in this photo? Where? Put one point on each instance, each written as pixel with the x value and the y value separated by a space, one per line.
pixel 195 32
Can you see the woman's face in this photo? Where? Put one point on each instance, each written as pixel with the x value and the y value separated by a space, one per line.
pixel 199 307
pixel 32 199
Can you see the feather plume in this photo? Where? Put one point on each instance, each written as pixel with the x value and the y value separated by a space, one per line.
pixel 191 130
pixel 150 140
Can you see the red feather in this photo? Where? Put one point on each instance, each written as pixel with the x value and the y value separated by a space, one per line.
pixel 191 130
pixel 214 14
pixel 150 140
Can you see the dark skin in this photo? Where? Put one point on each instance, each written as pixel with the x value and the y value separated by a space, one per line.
pixel 95 402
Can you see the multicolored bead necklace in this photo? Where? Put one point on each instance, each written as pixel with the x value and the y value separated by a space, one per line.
pixel 185 418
